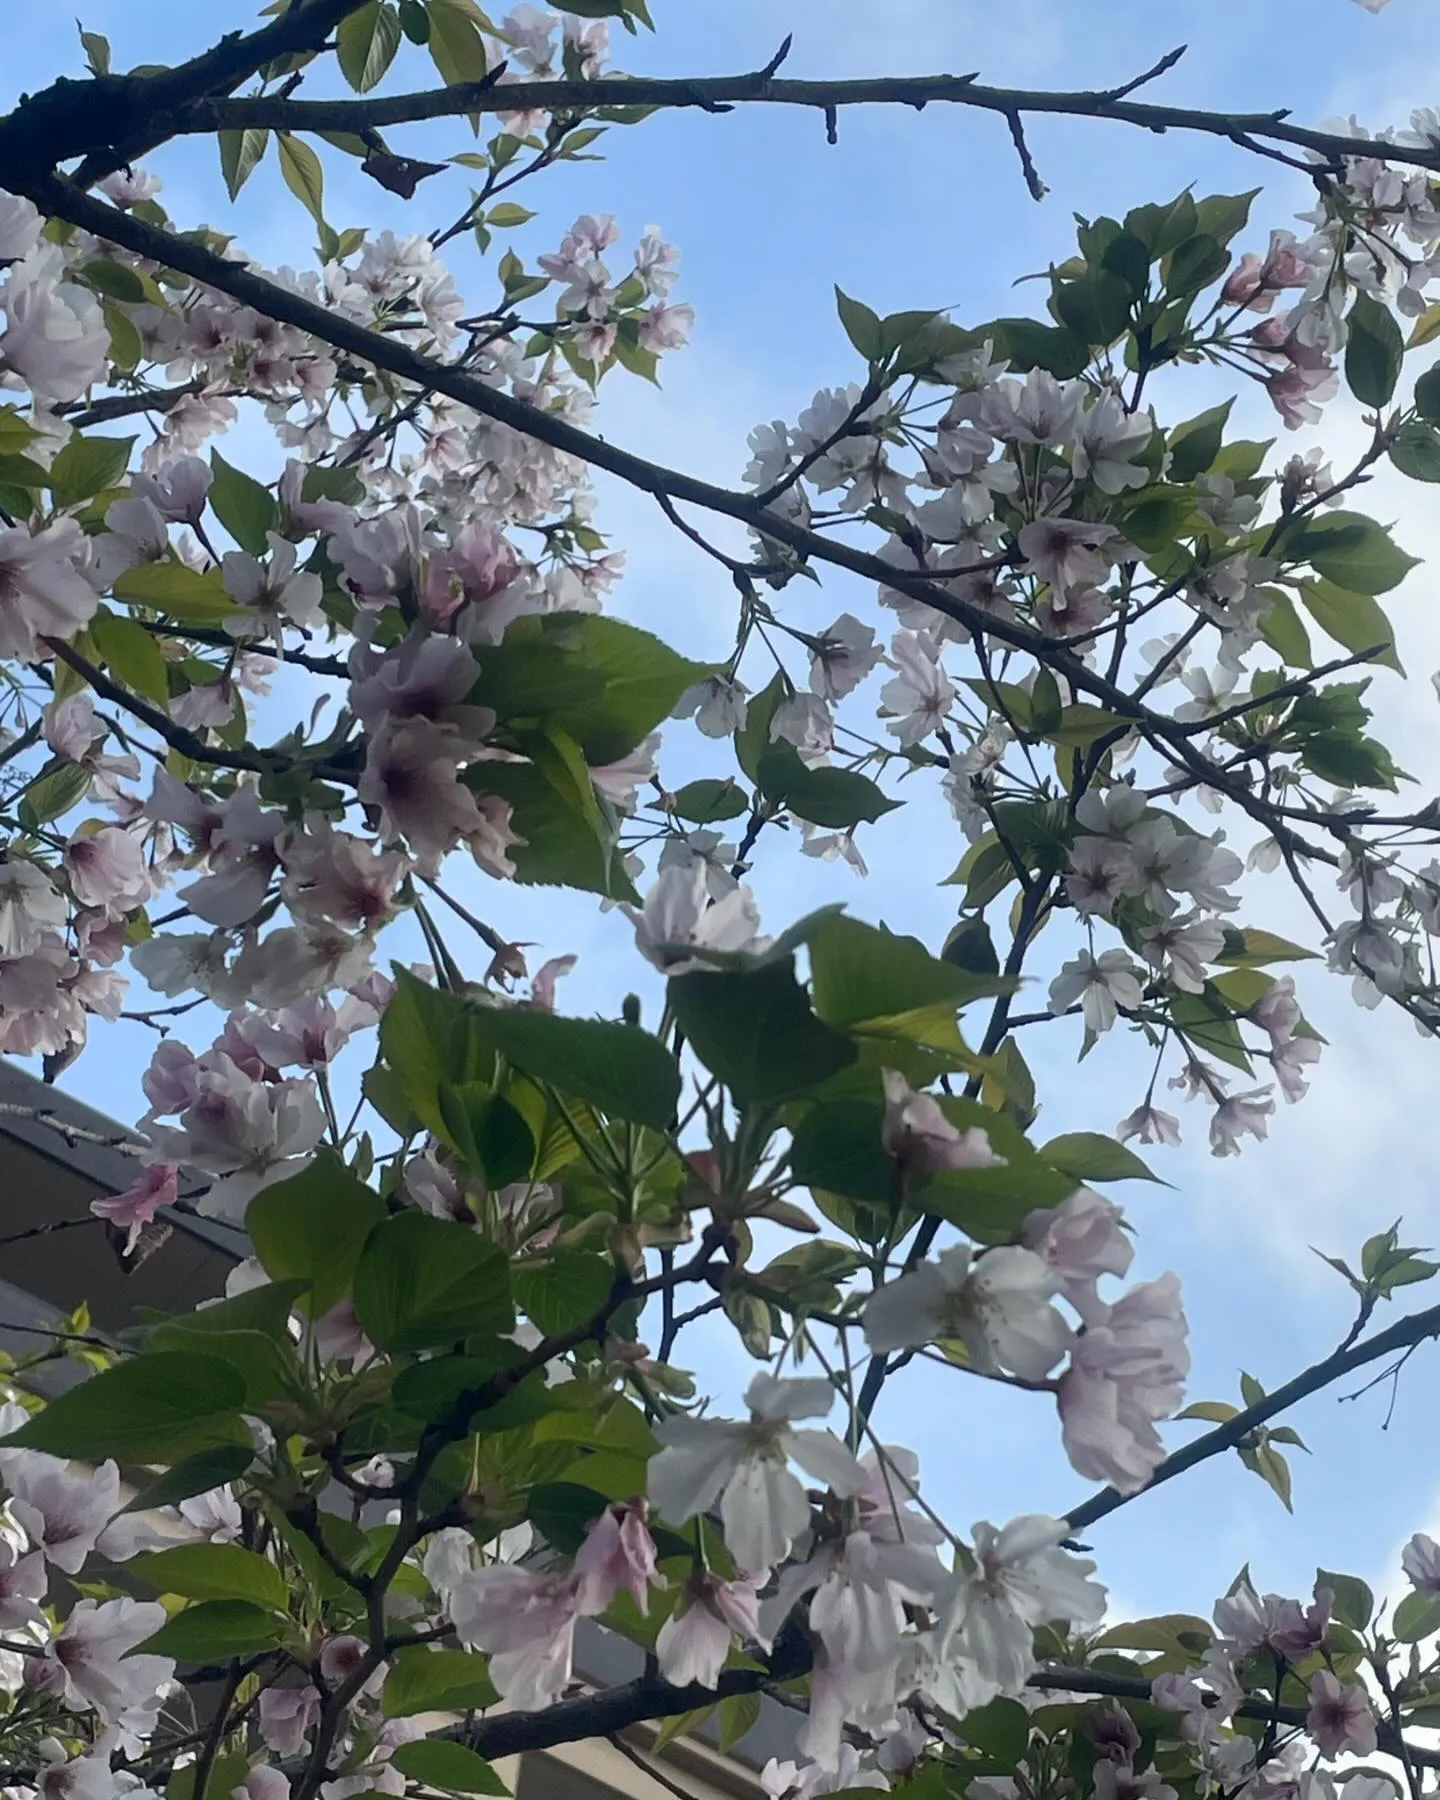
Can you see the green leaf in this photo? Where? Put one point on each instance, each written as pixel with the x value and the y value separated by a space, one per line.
pixel 214 1572
pixel 562 1511
pixel 1417 1616
pixel 861 976
pixel 1427 386
pixel 507 215
pixel 216 1630
pixel 1252 949
pixel 415 21
pixel 16 433
pixel 565 1290
pixel 114 281
pixel 53 793
pixel 126 344
pixel 1209 1023
pixel 87 466
pixel 1082 724
pixel 423 1282
pixel 756 1031
pixel 1166 1633
pixel 1283 630
pixel 606 683
pixel 425 1680
pixel 1415 451
pixel 449 1767
pixel 1163 227
pixel 456 47
pixel 1090 1156
pixel 1026 344
pixel 710 802
pixel 304 177
pixel 159 1407
pixel 1097 308
pixel 734 1718
pixel 490 1134
pixel 564 846
pixel 312 1228
pixel 97 51
pixel 1356 621
pixel 240 154
pixel 619 1069
pixel 366 43
pixel 1374 352
pixel 250 1331
pixel 1194 264
pixel 1224 216
pixel 131 653
pixel 1213 1412
pixel 1000 1729
pixel 838 799
pixel 752 740
pixel 1272 1469
pixel 1354 1602
pixel 428 1037
pixel 197 1474
pixel 1195 444
pixel 862 327
pixel 193 596
pixel 248 511
pixel 838 1148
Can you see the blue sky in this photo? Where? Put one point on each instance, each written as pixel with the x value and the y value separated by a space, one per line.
pixel 931 211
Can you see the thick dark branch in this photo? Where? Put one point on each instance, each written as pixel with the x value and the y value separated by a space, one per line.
pixel 112 118
pixel 631 1703
pixel 160 722
pixel 1126 1687
pixel 709 94
pixel 125 406
pixel 1403 1334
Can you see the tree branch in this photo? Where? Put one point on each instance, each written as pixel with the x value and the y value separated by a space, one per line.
pixel 714 93
pixel 1404 1332
pixel 111 119
pixel 1126 1687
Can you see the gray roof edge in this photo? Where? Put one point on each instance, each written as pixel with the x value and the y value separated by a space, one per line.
pixel 66 1131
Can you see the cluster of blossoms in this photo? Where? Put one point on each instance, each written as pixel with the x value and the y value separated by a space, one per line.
pixel 462 1337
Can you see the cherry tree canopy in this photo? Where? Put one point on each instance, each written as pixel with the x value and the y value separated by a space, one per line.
pixel 443 1415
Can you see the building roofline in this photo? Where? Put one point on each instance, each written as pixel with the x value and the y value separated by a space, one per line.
pixel 66 1131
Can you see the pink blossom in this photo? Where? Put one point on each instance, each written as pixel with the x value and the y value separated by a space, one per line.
pixel 694 1642
pixel 42 590
pixel 334 878
pixel 1340 1718
pixel 1297 394
pixel 22 1587
pixel 94 1657
pixel 412 780
pixel 177 490
pixel 1125 1373
pixel 921 1139
pixel 1150 1125
pixel 287 1715
pixel 1081 1239
pixel 618 1552
pixel 55 338
pixel 107 870
pixel 526 1622
pixel 133 1210
pixel 666 327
